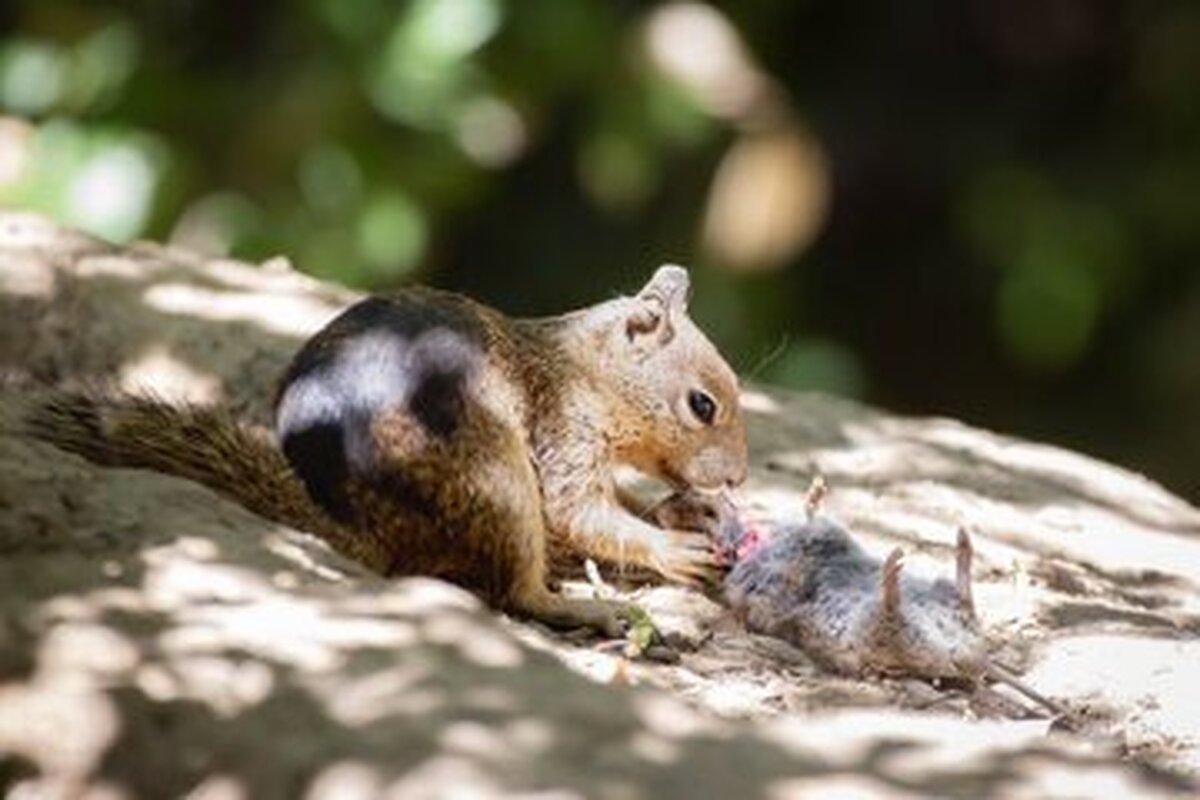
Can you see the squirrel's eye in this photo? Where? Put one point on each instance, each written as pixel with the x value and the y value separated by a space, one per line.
pixel 703 406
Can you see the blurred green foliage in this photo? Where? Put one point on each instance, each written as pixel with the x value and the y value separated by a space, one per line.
pixel 984 208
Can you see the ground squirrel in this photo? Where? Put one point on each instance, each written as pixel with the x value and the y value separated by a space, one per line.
pixel 433 435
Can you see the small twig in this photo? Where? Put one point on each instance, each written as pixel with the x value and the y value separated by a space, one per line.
pixel 596 580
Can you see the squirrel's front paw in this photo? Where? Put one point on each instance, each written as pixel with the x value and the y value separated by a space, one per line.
pixel 686 557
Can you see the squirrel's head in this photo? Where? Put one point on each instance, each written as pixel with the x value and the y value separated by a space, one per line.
pixel 678 415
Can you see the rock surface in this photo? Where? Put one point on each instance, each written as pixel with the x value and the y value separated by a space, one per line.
pixel 156 640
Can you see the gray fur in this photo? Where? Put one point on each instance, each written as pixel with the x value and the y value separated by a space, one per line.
pixel 811 584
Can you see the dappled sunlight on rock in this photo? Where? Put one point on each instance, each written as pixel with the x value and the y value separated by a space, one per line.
pixel 836 787
pixel 737 699
pixel 181 550
pixel 403 690
pixel 1093 479
pixel 109 266
pixel 655 748
pixel 309 557
pixel 171 377
pixel 1056 779
pixel 35 720
pixel 416 596
pixel 175 580
pixel 344 779
pixel 919 479
pixel 444 775
pixel 276 275
pixel 292 316
pixel 779 502
pixel 289 630
pixel 530 734
pixel 1112 544
pixel 490 699
pixel 479 643
pixel 604 668
pixel 157 682
pixel 1148 683
pixel 227 685
pixel 667 717
pixel 161 338
pixel 70 608
pixel 905 746
pixel 93 648
pixel 948 743
pixel 220 787
pixel 482 741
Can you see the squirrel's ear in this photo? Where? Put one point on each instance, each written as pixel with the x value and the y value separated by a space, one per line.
pixel 659 304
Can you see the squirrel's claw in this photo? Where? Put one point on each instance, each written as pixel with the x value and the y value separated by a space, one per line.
pixel 687 557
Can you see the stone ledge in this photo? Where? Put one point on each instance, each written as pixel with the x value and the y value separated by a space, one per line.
pixel 155 638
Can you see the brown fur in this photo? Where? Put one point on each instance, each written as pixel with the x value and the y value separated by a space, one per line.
pixel 556 404
pixel 203 444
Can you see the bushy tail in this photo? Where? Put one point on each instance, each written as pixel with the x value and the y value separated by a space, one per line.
pixel 201 443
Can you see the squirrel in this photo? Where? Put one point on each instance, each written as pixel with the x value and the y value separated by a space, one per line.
pixel 426 433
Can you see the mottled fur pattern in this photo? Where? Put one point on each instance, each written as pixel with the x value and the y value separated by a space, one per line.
pixel 432 435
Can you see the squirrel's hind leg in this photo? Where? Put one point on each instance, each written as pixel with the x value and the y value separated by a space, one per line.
pixel 527 541
pixel 468 508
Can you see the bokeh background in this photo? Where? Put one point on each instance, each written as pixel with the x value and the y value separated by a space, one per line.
pixel 982 208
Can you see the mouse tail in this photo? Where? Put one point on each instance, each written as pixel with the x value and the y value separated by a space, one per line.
pixel 1002 674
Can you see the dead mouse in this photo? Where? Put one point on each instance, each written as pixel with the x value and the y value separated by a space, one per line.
pixel 811 584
